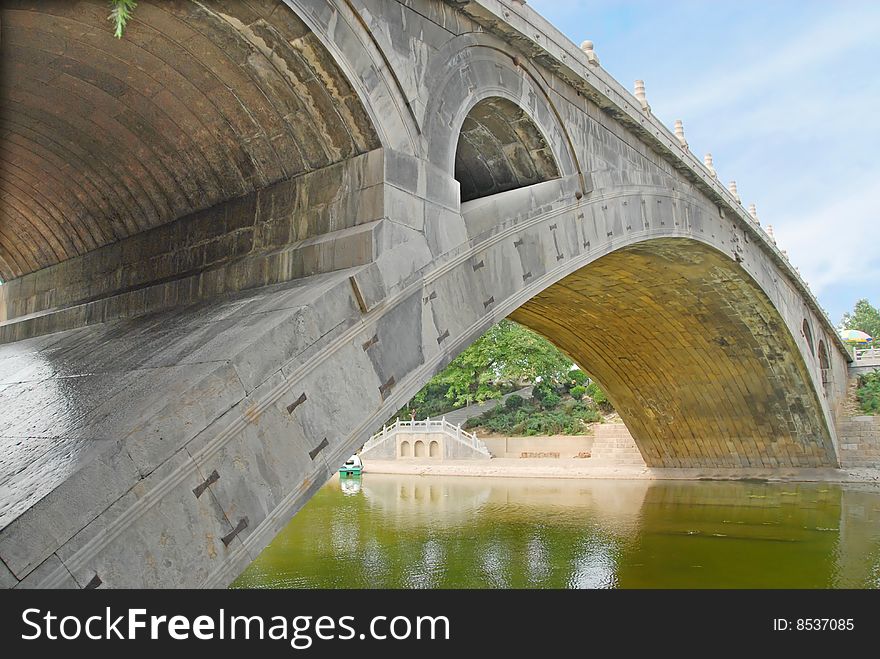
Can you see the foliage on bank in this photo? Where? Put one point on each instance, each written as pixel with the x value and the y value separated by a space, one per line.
pixel 505 359
pixel 550 416
pixel 868 392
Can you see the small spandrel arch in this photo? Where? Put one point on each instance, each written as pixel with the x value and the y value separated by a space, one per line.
pixel 808 335
pixel 500 148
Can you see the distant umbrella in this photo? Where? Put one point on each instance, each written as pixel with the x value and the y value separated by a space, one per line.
pixel 855 336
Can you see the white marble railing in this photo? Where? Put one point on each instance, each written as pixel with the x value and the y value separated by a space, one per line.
pixel 426 426
pixel 866 356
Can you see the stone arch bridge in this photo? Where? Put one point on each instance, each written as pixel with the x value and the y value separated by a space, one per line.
pixel 237 239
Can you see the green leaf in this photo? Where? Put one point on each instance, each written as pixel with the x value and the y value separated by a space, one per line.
pixel 120 14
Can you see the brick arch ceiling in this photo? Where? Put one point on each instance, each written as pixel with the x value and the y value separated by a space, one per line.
pixel 103 138
pixel 694 356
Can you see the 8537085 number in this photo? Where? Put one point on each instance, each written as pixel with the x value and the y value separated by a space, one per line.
pixel 823 624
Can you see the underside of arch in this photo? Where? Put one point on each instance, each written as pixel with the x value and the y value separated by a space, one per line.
pixel 103 138
pixel 693 355
pixel 500 148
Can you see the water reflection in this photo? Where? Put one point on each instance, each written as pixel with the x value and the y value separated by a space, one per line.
pixel 350 485
pixel 440 532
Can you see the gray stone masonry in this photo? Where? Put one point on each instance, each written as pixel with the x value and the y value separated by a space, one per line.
pixel 281 258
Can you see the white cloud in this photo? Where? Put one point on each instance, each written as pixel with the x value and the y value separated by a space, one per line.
pixel 832 244
pixel 840 32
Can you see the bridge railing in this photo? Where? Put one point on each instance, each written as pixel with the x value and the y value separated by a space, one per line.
pixel 866 356
pixel 426 426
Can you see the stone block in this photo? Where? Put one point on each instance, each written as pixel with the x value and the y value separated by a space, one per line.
pixel 160 535
pixel 189 406
pixel 30 538
pixel 51 573
pixel 7 579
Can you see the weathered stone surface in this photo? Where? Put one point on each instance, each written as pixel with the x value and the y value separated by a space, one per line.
pixel 7 579
pixel 50 574
pixel 690 354
pixel 260 250
pixel 29 538
pixel 197 105
pixel 158 535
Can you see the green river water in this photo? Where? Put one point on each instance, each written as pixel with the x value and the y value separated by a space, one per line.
pixel 391 531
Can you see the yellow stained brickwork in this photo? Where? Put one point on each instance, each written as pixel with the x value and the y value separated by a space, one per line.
pixel 693 355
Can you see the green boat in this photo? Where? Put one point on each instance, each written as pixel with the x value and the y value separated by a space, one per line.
pixel 352 467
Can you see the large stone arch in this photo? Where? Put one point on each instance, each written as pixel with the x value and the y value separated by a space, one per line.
pixel 293 395
pixel 366 66
pixel 215 103
pixel 688 348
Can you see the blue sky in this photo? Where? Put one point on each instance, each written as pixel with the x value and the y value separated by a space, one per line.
pixel 786 97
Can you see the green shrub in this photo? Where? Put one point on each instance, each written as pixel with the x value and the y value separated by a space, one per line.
pixel 550 401
pixel 530 418
pixel 514 402
pixel 540 390
pixel 578 392
pixel 868 392
pixel 578 377
pixel 595 392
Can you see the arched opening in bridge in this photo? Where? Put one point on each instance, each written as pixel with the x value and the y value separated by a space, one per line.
pixel 434 450
pixel 699 363
pixel 419 451
pixel 808 335
pixel 500 148
pixel 824 365
pixel 405 449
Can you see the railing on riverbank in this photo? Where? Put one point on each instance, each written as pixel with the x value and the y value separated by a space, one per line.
pixel 426 426
pixel 866 356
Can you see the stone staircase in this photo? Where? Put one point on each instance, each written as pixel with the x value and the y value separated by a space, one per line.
pixel 615 447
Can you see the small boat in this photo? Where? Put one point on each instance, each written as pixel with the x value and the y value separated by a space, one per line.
pixel 352 466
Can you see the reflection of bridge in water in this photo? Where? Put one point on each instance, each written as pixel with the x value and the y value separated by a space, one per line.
pixel 411 531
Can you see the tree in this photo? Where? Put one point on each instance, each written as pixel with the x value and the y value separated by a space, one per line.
pixel 507 353
pixel 864 317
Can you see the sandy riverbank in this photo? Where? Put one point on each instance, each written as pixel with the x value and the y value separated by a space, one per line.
pixel 581 468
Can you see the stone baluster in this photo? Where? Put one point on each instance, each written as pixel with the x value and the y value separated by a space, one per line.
pixel 592 58
pixel 710 165
pixel 679 133
pixel 771 236
pixel 753 211
pixel 642 96
pixel 732 187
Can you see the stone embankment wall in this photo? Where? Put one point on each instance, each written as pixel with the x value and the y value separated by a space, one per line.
pixel 859 441
pixel 514 447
